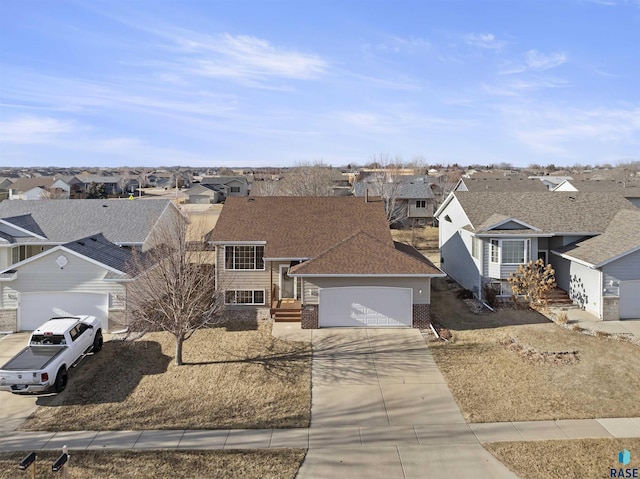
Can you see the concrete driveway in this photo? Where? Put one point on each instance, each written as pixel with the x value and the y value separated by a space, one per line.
pixel 381 408
pixel 14 409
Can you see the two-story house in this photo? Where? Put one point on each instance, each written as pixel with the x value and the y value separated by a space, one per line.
pixel 328 261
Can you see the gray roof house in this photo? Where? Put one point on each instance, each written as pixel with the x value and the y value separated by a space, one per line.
pixel 415 199
pixel 506 183
pixel 205 194
pixel 68 256
pixel 592 240
pixel 230 185
pixel 630 189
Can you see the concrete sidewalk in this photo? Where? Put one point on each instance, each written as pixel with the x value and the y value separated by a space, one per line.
pixel 354 438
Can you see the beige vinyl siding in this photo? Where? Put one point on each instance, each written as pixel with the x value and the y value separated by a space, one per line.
pixel 238 279
pixel 421 286
pixel 43 275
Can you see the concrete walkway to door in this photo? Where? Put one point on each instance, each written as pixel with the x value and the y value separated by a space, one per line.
pixel 382 408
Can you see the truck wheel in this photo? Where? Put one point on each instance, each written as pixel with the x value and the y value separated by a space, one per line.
pixel 61 381
pixel 97 342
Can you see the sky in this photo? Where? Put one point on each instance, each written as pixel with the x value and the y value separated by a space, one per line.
pixel 274 83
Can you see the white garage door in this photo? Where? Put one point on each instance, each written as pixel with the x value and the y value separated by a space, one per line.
pixel 199 199
pixel 629 299
pixel 36 308
pixel 370 306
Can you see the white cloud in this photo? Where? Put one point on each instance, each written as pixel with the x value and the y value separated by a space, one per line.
pixel 248 57
pixel 32 129
pixel 537 61
pixel 561 130
pixel 483 40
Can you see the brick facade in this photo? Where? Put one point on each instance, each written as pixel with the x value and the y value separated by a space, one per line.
pixel 8 320
pixel 309 317
pixel 421 317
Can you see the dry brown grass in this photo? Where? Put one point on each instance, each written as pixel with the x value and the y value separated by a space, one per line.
pixel 491 383
pixel 253 464
pixel 241 378
pixel 577 458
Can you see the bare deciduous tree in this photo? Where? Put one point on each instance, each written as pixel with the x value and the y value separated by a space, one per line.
pixel 386 182
pixel 308 179
pixel 174 288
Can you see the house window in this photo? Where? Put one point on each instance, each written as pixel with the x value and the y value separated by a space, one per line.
pixel 244 297
pixel 476 247
pixel 495 251
pixel 235 189
pixel 513 251
pixel 18 253
pixel 421 204
pixel 508 251
pixel 244 257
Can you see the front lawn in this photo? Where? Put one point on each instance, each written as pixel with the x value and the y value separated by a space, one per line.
pixel 235 377
pixel 579 458
pixel 253 464
pixel 492 382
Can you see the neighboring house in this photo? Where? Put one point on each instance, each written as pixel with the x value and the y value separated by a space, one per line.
pixel 112 184
pixel 5 184
pixel 39 188
pixel 229 185
pixel 204 194
pixel 630 189
pixel 517 183
pixel 551 181
pixel 330 260
pixel 485 236
pixel 414 199
pixel 30 231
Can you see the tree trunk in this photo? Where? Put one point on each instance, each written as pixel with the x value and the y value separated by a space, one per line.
pixel 179 341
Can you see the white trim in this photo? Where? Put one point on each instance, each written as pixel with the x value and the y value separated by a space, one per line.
pixel 280 280
pixel 237 243
pixel 253 291
pixel 333 275
pixel 515 220
pixel 29 233
pixel 571 258
pixel 59 248
pixel 527 250
pixel 286 259
pixel 224 259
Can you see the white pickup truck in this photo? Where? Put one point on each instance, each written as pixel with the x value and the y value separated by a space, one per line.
pixel 53 348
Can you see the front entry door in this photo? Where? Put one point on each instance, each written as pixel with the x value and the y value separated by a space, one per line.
pixel 287 284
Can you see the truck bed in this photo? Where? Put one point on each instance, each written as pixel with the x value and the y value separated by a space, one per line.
pixel 33 358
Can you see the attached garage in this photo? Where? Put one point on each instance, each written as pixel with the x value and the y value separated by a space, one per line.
pixel 368 306
pixel 36 308
pixel 200 199
pixel 630 299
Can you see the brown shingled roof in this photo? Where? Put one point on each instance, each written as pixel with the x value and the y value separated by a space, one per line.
pixel 26 184
pixel 299 227
pixel 362 254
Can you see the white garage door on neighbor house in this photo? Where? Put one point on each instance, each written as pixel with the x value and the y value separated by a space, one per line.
pixel 369 306
pixel 630 299
pixel 36 308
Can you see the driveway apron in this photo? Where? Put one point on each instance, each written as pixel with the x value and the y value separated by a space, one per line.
pixel 381 408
